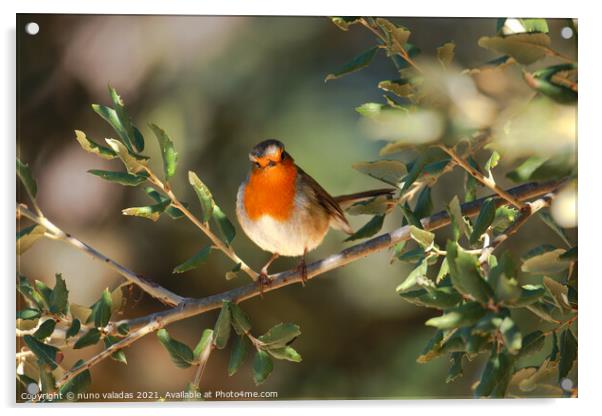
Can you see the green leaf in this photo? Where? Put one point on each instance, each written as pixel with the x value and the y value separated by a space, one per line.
pixel 524 171
pixel 532 343
pixel 122 178
pixel 359 62
pixel 262 367
pixel 78 384
pixel 544 81
pixel 544 259
pixel 549 221
pixel 204 195
pixel 26 237
pixel 27 179
pixel 101 310
pixel 414 172
pixel 151 212
pixel 225 227
pixel 168 151
pixel 459 316
pixel 59 298
pixel 424 204
pixel 387 171
pixel 118 355
pixel 89 338
pixel 496 375
pixel 132 138
pixel 111 117
pixel 47 380
pixel 465 273
pixel 44 291
pixel 559 292
pixel 73 329
pixel 123 329
pixel 369 229
pixel 285 353
pixel 280 335
pixel 528 294
pixel 47 354
pixel 504 217
pixel 412 278
pixel 29 314
pixel 424 238
pixel 132 163
pixel 445 54
pixel 526 48
pixel 568 353
pixel 409 216
pixel 483 221
pixel 455 370
pixel 443 271
pixel 543 311
pixel 193 262
pixel 240 320
pixel 45 330
pixel 93 147
pixel 343 22
pixel 400 87
pixel 457 220
pixel 521 26
pixel 238 354
pixel 511 335
pixel 29 293
pixel 180 353
pixel 205 341
pixel 172 211
pixel 411 256
pixel 555 352
pixel 491 163
pixel 440 297
pixel 432 348
pixel 222 327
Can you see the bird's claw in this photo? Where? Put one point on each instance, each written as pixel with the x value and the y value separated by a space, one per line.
pixel 263 280
pixel 302 268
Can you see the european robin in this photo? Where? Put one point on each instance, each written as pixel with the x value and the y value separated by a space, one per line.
pixel 284 210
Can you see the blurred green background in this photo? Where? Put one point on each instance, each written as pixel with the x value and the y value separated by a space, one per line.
pixel 219 85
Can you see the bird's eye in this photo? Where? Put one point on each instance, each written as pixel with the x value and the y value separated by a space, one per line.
pixel 257 165
pixel 271 163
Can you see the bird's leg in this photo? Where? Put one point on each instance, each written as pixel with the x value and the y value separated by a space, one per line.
pixel 264 278
pixel 302 268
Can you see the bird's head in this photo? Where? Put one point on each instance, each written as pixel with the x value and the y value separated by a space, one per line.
pixel 268 153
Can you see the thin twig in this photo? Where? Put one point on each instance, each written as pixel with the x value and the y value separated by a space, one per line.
pixel 526 213
pixel 150 287
pixel 192 307
pixel 481 178
pixel 217 242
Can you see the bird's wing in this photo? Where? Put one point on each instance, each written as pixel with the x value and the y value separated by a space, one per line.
pixel 322 197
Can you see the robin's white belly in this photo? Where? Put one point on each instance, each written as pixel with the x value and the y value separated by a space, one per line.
pixel 304 231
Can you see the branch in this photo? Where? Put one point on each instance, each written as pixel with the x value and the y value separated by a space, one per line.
pixel 530 209
pixel 489 183
pixel 217 242
pixel 192 307
pixel 150 287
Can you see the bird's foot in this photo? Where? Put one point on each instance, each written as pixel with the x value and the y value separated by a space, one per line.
pixel 264 281
pixel 302 269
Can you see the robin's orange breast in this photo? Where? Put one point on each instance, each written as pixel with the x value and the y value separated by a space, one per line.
pixel 271 191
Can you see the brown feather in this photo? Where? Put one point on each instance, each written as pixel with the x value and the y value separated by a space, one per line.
pixel 327 202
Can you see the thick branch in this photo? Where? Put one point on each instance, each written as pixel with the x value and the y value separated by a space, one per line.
pixel 150 287
pixel 192 307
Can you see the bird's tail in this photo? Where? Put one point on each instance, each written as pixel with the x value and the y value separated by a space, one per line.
pixel 345 201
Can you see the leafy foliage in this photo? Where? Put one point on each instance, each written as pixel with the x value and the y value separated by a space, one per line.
pixel 479 297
